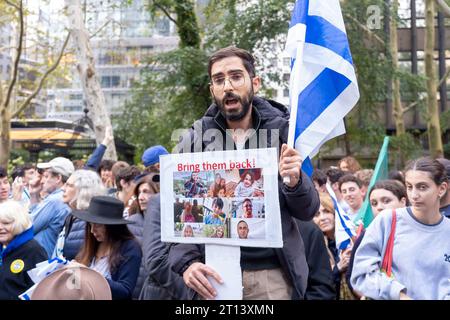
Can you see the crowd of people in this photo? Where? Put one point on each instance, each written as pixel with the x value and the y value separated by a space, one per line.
pixel 105 216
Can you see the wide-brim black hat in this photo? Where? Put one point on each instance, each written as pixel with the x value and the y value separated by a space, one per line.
pixel 103 210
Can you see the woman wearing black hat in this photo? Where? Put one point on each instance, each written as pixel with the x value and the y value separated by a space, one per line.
pixel 109 247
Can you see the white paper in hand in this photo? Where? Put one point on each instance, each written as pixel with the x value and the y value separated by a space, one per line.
pixel 226 261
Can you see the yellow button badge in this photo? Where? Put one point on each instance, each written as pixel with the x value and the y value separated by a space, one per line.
pixel 17 266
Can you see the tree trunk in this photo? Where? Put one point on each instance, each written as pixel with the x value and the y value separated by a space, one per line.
pixel 434 127
pixel 5 134
pixel 397 109
pixel 86 68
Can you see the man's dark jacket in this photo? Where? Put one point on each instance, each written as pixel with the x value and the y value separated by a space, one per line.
pixel 300 202
pixel 320 279
pixel 161 283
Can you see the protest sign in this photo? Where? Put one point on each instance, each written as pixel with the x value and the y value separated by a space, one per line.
pixel 221 197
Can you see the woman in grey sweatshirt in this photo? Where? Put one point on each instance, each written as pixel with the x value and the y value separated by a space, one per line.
pixel 421 251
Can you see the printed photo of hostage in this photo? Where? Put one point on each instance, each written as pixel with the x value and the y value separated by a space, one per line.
pixel 248 229
pixel 218 187
pixel 188 210
pixel 191 184
pixel 217 213
pixel 194 187
pixel 189 230
pixel 242 229
pixel 216 231
pixel 250 184
pixel 249 208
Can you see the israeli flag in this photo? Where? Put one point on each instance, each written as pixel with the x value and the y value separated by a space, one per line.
pixel 344 228
pixel 323 86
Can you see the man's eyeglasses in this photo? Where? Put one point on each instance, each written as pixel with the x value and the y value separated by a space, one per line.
pixel 236 80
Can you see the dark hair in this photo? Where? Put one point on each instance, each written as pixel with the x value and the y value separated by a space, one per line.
pixel 18 172
pixel 152 179
pixel 116 235
pixel 320 177
pixel 435 169
pixel 246 200
pixel 28 166
pixel 334 174
pixel 349 178
pixel 218 203
pixel 128 174
pixel 248 173
pixel 243 222
pixel 105 165
pixel 3 172
pixel 394 186
pixel 446 164
pixel 247 59
pixel 397 175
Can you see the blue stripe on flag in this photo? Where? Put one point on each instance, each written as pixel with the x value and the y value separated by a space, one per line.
pixel 322 33
pixel 307 167
pixel 300 13
pixel 347 229
pixel 317 96
pixel 344 245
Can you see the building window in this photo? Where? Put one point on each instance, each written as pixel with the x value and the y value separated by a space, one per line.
pixel 287 62
pixel 78 96
pixel 105 82
pixel 286 93
pixel 115 81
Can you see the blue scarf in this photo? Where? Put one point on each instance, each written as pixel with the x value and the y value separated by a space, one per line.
pixel 17 242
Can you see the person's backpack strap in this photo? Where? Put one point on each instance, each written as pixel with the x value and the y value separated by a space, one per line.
pixel 386 265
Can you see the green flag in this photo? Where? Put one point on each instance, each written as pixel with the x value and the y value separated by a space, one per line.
pixel 381 172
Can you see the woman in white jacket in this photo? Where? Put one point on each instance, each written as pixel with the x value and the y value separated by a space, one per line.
pixel 421 247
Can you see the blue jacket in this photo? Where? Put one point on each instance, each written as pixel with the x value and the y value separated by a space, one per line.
pixel 123 279
pixel 75 232
pixel 48 220
pixel 96 158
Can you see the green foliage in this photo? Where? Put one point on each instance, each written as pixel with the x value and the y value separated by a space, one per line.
pixel 409 145
pixel 174 91
pixel 167 98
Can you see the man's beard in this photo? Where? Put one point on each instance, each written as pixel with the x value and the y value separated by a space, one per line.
pixel 245 102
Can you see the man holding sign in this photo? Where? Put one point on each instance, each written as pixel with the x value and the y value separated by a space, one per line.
pixel 267 273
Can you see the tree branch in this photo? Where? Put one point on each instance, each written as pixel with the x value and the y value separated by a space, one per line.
pixel 444 77
pixel 14 5
pixel 17 58
pixel 366 30
pixel 160 7
pixel 99 29
pixel 444 7
pixel 413 104
pixel 410 106
pixel 44 77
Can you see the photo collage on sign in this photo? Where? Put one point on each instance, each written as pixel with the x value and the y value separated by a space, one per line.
pixel 220 204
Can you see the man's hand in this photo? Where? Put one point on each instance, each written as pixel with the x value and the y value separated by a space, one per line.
pixel 17 188
pixel 108 136
pixel 195 277
pixel 290 165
